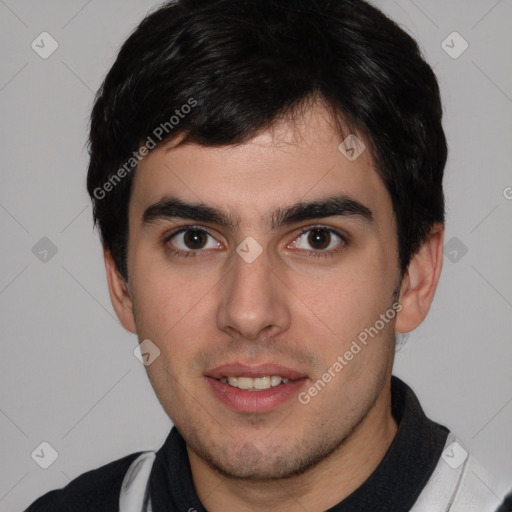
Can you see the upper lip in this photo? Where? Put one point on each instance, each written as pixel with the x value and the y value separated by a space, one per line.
pixel 254 371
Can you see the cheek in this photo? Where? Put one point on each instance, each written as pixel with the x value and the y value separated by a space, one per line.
pixel 175 312
pixel 166 296
pixel 345 301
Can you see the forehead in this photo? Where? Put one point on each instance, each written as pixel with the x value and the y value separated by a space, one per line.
pixel 294 160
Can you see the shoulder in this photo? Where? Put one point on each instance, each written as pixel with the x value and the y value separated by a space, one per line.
pixel 96 490
pixel 459 483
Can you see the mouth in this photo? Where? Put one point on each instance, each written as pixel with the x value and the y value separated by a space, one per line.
pixel 257 384
pixel 254 389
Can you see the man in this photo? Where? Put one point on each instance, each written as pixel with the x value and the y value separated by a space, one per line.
pixel 267 180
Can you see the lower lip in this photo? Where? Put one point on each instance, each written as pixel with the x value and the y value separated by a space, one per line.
pixel 255 401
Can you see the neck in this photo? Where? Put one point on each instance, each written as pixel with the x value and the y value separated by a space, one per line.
pixel 321 487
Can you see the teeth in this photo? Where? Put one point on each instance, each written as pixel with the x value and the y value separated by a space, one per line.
pixel 244 382
pixel 257 384
pixel 262 383
pixel 275 381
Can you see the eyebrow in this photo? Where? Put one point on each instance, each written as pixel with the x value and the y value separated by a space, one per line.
pixel 342 205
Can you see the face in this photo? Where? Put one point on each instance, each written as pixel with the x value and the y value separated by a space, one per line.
pixel 291 259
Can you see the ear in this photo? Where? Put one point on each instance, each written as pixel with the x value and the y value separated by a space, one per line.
pixel 119 294
pixel 420 281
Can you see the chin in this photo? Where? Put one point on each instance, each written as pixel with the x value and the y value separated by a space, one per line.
pixel 251 463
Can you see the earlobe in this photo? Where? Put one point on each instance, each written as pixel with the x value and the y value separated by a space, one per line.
pixel 119 294
pixel 420 281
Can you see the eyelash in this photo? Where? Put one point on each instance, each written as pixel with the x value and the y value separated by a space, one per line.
pixel 202 253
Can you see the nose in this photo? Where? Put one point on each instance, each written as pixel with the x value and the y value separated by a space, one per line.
pixel 253 300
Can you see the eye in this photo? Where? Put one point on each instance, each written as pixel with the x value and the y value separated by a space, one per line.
pixel 321 240
pixel 191 239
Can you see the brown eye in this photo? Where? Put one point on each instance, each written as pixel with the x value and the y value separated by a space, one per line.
pixel 320 241
pixel 190 240
pixel 319 238
pixel 195 239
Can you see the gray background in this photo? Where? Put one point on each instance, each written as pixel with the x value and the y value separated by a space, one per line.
pixel 69 376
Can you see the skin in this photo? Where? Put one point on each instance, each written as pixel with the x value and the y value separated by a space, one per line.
pixel 287 307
